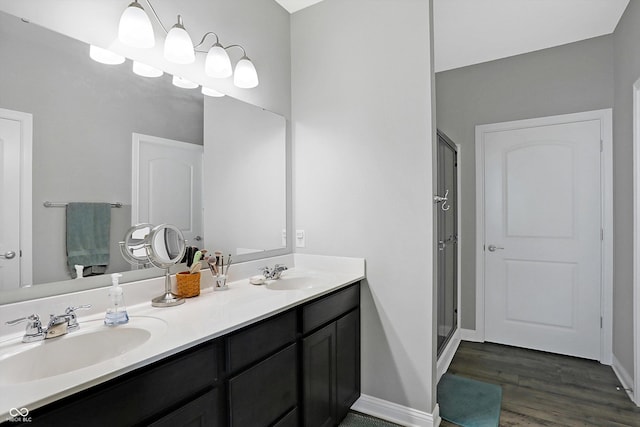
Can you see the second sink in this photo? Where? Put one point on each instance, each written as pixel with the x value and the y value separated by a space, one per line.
pixel 298 280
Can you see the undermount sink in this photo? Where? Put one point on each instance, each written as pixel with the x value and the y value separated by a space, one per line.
pixel 93 343
pixel 298 280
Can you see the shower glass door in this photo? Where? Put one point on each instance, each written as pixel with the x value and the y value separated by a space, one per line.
pixel 447 223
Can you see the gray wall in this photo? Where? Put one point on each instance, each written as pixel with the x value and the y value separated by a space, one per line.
pixel 362 174
pixel 83 116
pixel 627 72
pixel 566 79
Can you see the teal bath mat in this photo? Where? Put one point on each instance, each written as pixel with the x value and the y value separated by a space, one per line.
pixel 469 403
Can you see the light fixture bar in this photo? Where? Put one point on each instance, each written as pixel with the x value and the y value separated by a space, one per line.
pixel 180 49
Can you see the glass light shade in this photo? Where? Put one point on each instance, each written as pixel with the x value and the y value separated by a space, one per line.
pixel 245 76
pixel 104 56
pixel 145 70
pixel 218 64
pixel 211 92
pixel 135 28
pixel 183 83
pixel 178 47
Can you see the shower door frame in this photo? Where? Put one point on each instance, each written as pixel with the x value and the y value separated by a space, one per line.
pixel 446 352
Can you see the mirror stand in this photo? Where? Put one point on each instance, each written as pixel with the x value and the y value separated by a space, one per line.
pixel 169 299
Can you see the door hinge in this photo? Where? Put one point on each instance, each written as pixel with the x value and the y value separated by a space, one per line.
pixel 600 322
pixel 601 234
pixel 601 146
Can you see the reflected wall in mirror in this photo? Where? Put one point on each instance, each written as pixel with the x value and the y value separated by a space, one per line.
pixel 245 178
pixel 84 115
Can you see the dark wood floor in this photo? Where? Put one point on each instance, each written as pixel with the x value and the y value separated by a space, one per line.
pixel 543 389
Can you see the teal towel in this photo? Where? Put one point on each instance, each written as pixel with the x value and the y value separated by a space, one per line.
pixel 88 227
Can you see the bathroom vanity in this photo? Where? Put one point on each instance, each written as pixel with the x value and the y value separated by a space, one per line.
pixel 297 362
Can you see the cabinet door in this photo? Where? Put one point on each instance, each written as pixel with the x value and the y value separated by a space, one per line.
pixel 319 377
pixel 262 394
pixel 348 362
pixel 207 410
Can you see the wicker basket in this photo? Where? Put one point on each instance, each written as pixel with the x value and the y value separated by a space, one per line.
pixel 188 285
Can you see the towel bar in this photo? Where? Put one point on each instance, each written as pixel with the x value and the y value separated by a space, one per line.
pixel 48 204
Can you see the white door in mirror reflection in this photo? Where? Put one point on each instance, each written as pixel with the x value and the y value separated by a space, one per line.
pixel 15 207
pixel 167 185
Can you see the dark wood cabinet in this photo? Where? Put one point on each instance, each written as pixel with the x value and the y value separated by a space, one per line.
pixel 297 368
pixel 139 397
pixel 347 362
pixel 262 394
pixel 206 410
pixel 319 377
pixel 331 361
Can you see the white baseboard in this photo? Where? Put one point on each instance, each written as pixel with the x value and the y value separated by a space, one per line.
pixel 470 335
pixel 626 380
pixel 395 413
pixel 447 355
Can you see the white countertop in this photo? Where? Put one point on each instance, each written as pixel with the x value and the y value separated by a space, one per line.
pixel 199 319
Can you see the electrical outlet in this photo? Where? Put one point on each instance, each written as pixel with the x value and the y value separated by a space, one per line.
pixel 300 239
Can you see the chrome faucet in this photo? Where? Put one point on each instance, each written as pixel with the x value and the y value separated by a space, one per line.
pixel 273 273
pixel 58 324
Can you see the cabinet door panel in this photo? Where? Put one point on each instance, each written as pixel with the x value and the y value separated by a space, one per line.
pixel 205 411
pixel 319 377
pixel 290 420
pixel 348 362
pixel 262 394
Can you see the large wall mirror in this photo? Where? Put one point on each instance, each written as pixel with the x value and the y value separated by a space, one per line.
pixel 86 119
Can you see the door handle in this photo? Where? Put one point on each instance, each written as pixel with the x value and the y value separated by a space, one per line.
pixel 8 255
pixel 493 248
pixel 197 238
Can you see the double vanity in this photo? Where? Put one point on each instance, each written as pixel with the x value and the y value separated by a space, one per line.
pixel 284 353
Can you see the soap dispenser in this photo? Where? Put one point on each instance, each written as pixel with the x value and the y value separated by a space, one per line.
pixel 117 313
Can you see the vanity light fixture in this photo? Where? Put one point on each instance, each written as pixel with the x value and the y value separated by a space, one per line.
pixel 178 47
pixel 245 75
pixel 183 83
pixel 105 56
pixel 145 70
pixel 135 28
pixel 217 64
pixel 211 92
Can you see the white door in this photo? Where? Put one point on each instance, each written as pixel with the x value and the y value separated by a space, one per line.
pixel 543 238
pixel 15 186
pixel 167 185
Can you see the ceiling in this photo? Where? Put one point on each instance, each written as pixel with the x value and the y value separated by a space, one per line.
pixel 469 32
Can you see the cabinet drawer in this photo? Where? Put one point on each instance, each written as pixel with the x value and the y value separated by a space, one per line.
pixel 328 308
pixel 263 393
pixel 256 342
pixel 206 410
pixel 137 396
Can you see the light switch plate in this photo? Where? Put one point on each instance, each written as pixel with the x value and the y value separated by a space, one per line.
pixel 300 239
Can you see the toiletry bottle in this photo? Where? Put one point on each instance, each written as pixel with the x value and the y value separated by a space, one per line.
pixel 79 271
pixel 117 313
